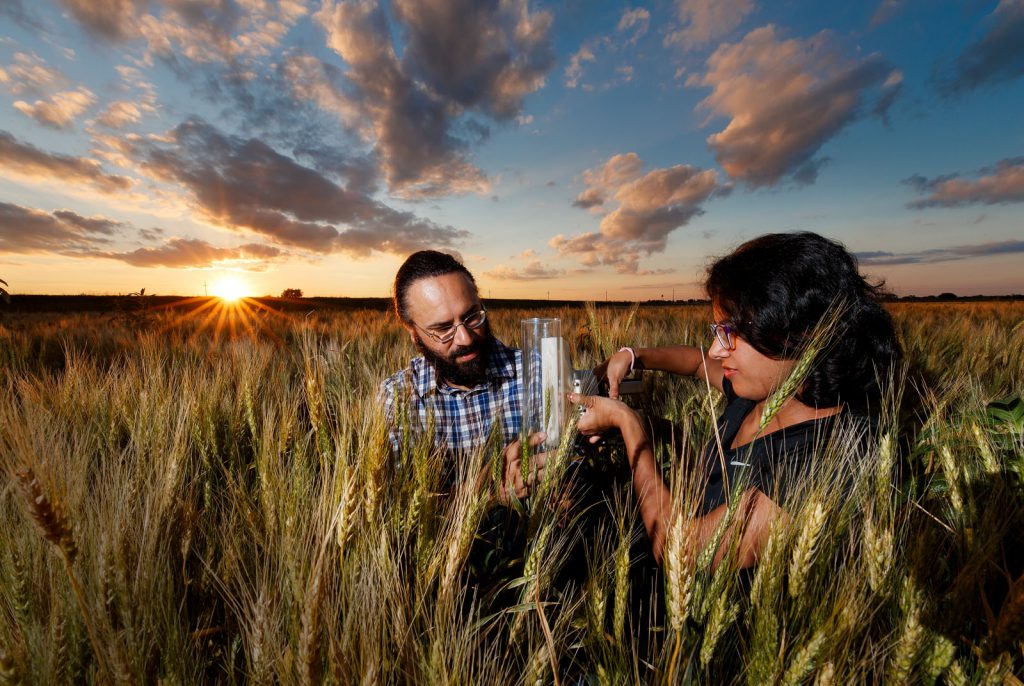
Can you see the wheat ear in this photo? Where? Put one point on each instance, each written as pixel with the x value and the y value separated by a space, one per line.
pixel 821 339
pixel 56 530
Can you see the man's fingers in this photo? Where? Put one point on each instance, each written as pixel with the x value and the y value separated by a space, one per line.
pixel 536 477
pixel 536 439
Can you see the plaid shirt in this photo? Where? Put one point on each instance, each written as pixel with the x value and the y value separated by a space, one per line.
pixel 463 419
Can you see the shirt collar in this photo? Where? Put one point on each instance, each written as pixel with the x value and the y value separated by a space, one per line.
pixel 501 365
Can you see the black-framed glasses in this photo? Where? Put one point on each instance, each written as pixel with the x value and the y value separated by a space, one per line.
pixel 724 333
pixel 472 321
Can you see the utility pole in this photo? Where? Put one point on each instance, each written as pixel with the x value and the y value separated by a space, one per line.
pixel 206 291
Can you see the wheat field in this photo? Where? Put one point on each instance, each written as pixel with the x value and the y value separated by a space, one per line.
pixel 200 499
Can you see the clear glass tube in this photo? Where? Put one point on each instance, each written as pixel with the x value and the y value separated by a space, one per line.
pixel 547 378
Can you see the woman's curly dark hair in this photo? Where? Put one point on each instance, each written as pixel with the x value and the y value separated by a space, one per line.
pixel 776 288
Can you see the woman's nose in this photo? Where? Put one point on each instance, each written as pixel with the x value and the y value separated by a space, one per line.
pixel 717 350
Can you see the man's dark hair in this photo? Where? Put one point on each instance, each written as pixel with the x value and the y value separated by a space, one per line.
pixel 424 264
pixel 776 288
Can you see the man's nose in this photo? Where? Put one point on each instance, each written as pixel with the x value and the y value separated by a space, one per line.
pixel 463 336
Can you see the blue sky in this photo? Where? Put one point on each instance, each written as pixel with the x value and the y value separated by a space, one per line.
pixel 572 149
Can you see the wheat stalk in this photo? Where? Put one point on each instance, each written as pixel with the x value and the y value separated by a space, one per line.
pixel 821 339
pixel 803 662
pixel 56 530
pixel 938 658
pixel 622 562
pixel 9 672
pixel 826 675
pixel 909 644
pixel 878 553
pixel 724 611
pixel 955 675
pixel 806 547
pixel 679 572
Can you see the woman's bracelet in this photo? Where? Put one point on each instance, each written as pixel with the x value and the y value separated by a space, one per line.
pixel 632 356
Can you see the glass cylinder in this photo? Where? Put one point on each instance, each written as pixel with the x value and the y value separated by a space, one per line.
pixel 546 379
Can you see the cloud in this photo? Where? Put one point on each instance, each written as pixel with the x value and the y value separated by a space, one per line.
pixel 61 110
pixel 93 225
pixel 28 230
pixel 29 161
pixel 244 184
pixel 574 70
pixel 64 232
pixel 960 252
pixel 119 114
pixel 459 58
pixel 994 186
pixel 193 253
pixel 607 179
pixel 638 19
pixel 30 74
pixel 785 99
pixel 480 55
pixel 15 10
pixel 201 32
pixel 996 57
pixel 886 10
pixel 649 207
pixel 705 21
pixel 533 271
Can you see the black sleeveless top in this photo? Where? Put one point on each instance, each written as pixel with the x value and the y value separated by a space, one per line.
pixel 772 463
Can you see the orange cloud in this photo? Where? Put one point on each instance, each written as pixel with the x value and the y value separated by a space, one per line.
pixel 29 74
pixel 61 110
pixel 785 99
pixel 1003 184
pixel 29 161
pixel 706 20
pixel 649 207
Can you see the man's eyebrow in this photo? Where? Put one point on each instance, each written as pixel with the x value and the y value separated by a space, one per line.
pixel 448 323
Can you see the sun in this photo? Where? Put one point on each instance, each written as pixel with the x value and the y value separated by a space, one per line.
pixel 230 289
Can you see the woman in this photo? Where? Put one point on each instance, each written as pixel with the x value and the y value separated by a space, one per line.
pixel 767 298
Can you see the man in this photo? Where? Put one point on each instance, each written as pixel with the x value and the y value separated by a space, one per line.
pixel 466 381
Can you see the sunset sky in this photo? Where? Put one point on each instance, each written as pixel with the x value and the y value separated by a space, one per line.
pixel 564 149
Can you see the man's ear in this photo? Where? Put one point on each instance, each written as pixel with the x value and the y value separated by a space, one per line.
pixel 412 332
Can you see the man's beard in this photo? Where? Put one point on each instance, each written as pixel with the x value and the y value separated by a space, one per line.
pixel 468 374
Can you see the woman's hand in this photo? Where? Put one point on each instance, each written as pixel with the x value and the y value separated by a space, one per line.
pixel 600 414
pixel 512 481
pixel 614 369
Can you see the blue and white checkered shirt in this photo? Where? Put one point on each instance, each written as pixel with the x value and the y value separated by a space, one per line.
pixel 463 419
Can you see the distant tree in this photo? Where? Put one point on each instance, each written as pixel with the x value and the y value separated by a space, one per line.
pixel 291 293
pixel 3 292
pixel 947 296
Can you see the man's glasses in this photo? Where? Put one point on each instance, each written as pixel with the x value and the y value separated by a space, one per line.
pixel 724 333
pixel 446 335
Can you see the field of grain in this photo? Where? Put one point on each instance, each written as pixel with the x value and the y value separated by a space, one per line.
pixel 210 498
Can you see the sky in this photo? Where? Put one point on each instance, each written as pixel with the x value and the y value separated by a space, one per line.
pixel 579 150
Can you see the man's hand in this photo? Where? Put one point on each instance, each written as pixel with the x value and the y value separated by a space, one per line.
pixel 614 369
pixel 513 482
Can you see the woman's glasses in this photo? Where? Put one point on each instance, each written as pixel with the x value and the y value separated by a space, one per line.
pixel 724 333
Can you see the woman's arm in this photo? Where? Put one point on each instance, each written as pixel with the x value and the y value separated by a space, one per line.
pixel 756 511
pixel 684 360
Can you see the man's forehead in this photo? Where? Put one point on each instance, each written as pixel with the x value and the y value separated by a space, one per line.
pixel 446 296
